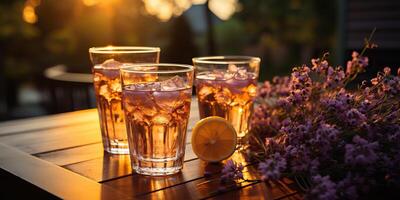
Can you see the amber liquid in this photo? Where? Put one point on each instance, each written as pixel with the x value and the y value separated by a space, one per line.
pixel 107 88
pixel 231 99
pixel 156 124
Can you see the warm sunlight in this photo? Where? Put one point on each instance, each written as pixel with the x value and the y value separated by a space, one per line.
pixel 29 15
pixel 96 2
pixel 224 9
pixel 90 2
pixel 165 10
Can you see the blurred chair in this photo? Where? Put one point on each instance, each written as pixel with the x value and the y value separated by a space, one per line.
pixel 69 91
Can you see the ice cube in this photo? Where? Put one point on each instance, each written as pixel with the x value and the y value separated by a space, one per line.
pixel 205 91
pixel 128 107
pixel 232 68
pixel 151 86
pixel 228 75
pixel 223 96
pixel 174 83
pixel 149 110
pixel 252 90
pixel 205 76
pixel 105 91
pixel 166 100
pixel 111 63
pixel 161 118
pixel 115 85
pixel 241 74
pixel 138 98
pixel 242 99
pixel 138 116
pixel 97 77
pixel 219 74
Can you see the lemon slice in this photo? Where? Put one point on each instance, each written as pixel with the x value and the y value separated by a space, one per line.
pixel 213 139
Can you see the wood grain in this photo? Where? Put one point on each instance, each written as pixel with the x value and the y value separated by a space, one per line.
pixel 73 155
pixel 110 166
pixel 56 180
pixel 49 122
pixel 192 170
pixel 54 139
pixel 200 188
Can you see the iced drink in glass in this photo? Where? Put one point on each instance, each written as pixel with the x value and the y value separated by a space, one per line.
pixel 157 113
pixel 226 86
pixel 107 86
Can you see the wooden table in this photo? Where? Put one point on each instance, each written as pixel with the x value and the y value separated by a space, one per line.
pixel 62 156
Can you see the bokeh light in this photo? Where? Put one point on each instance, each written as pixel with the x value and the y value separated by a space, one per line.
pixel 166 9
pixel 90 2
pixel 29 15
pixel 224 9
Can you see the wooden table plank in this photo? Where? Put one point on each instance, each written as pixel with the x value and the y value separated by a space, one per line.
pixel 110 166
pixel 137 184
pixel 54 139
pixel 210 187
pixel 201 188
pixel 192 170
pixel 73 155
pixel 48 122
pixel 84 153
pixel 56 180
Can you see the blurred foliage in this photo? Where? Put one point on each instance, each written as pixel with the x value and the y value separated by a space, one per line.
pixel 15 36
pixel 231 36
pixel 283 32
pixel 66 29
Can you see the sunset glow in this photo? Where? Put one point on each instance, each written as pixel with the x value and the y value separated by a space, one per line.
pixel 29 15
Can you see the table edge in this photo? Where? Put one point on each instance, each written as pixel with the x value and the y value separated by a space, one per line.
pixel 52 178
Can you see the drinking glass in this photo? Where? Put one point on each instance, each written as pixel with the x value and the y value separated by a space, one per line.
pixel 226 86
pixel 157 112
pixel 106 63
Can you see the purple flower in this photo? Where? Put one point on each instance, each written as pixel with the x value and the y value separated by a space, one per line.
pixel 348 186
pixel 300 83
pixel 265 90
pixel 391 85
pixel 328 131
pixel 334 78
pixel 340 103
pixel 355 118
pixel 324 129
pixel 323 138
pixel 323 189
pixel 283 103
pixel 361 152
pixel 365 106
pixel 299 157
pixel 357 64
pixel 232 171
pixel 272 168
pixel 319 66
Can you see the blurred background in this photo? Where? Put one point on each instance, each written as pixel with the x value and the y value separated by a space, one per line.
pixel 45 68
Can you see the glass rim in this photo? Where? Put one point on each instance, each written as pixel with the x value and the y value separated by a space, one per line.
pixel 123 49
pixel 223 60
pixel 185 68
